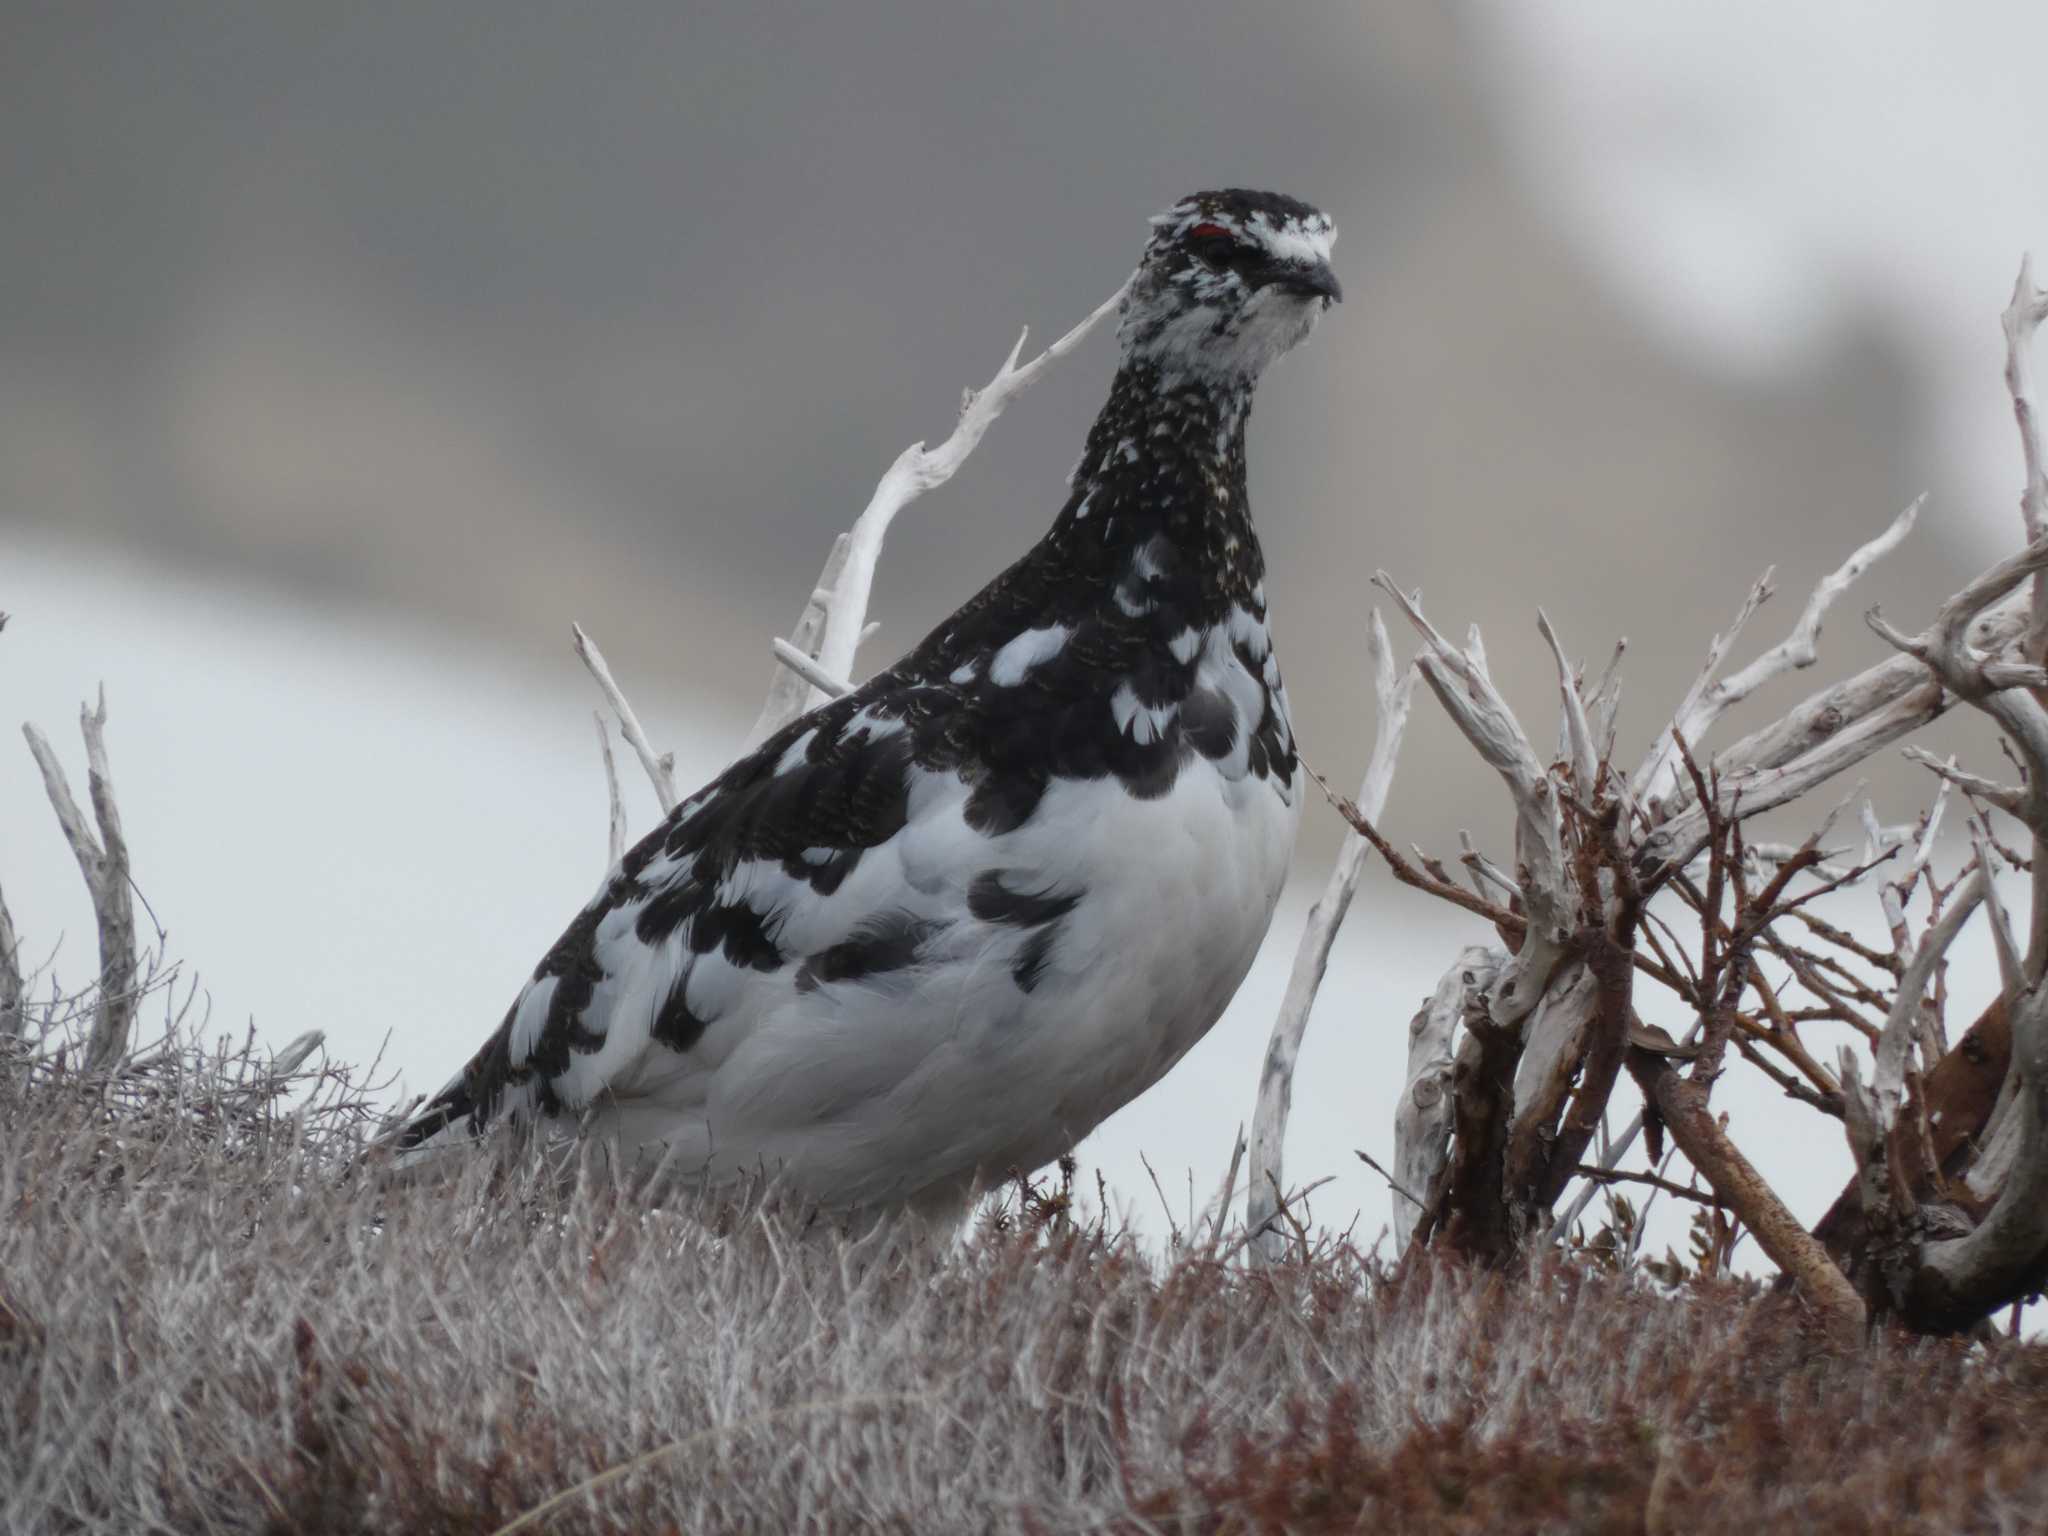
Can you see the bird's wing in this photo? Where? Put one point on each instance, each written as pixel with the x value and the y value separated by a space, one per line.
pixel 826 872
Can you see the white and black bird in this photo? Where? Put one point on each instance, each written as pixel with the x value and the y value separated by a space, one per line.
pixel 944 926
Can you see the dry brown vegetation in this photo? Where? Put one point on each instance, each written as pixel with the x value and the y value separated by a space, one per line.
pixel 207 1322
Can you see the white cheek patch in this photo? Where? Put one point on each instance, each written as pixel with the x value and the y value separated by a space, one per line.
pixel 1032 648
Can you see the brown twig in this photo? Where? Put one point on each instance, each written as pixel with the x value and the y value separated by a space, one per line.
pixel 1683 1105
pixel 1620 1176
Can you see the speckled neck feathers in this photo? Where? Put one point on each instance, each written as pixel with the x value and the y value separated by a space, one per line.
pixel 1132 639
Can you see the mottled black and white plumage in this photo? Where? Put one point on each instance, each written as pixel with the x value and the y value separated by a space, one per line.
pixel 944 926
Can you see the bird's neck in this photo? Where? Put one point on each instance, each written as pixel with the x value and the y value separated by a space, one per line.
pixel 1159 498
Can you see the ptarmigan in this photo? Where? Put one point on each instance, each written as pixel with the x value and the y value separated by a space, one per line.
pixel 944 926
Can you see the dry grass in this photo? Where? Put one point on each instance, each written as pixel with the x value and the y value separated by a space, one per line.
pixel 205 1325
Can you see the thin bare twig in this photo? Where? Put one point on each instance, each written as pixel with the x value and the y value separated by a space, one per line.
pixel 1668 1186
pixel 1276 1080
pixel 103 862
pixel 615 842
pixel 660 767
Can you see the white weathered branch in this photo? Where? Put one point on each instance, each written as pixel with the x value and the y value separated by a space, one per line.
pixel 1809 724
pixel 2022 317
pixel 1762 789
pixel 1461 684
pixel 103 862
pixel 1659 771
pixel 1426 1111
pixel 660 767
pixel 2005 796
pixel 2008 692
pixel 1870 1111
pixel 1573 727
pixel 1603 704
pixel 616 841
pixel 917 470
pixel 1552 1053
pixel 1902 1026
pixel 11 988
pixel 1707 700
pixel 788 691
pixel 1484 871
pixel 1312 956
pixel 2012 973
pixel 2003 1255
pixel 1880 841
pixel 809 670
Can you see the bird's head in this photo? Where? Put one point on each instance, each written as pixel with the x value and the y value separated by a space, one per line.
pixel 1229 281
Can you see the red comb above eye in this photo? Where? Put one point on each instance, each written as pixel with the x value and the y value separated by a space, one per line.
pixel 1209 232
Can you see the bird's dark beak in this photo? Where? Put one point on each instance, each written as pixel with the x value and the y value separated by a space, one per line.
pixel 1311 282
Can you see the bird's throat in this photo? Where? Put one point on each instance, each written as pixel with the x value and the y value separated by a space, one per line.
pixel 1159 497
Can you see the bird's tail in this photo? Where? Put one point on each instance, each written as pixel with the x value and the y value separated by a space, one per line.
pixel 440 1123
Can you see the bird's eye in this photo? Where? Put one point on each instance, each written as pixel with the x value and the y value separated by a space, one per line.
pixel 1215 246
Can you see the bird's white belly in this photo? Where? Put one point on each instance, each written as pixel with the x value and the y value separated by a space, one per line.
pixel 952 1072
pixel 1181 891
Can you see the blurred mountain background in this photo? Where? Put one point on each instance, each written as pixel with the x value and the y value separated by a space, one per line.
pixel 349 353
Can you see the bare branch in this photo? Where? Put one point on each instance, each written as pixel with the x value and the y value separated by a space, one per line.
pixel 1895 1043
pixel 917 470
pixel 2012 972
pixel 616 843
pixel 103 862
pixel 1684 833
pixel 788 692
pixel 2021 319
pixel 1484 871
pixel 2006 1255
pixel 1818 718
pixel 1708 699
pixel 10 977
pixel 1800 649
pixel 1424 1116
pixel 1312 956
pixel 1599 1176
pixel 809 670
pixel 1461 684
pixel 1658 774
pixel 1683 1106
pixel 1393 1183
pixel 1555 1047
pixel 1578 732
pixel 1603 705
pixel 660 769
